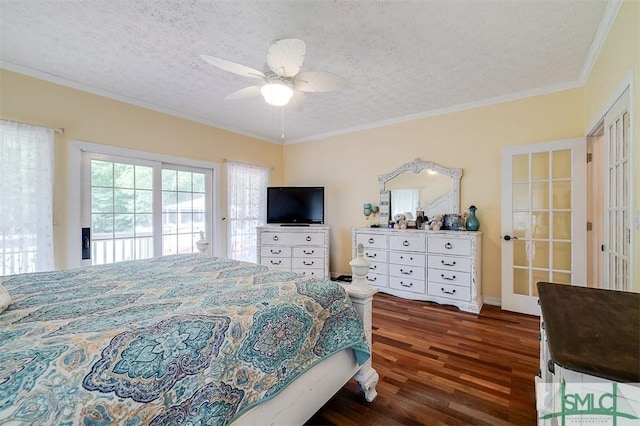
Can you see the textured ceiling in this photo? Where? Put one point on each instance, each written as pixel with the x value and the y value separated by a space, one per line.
pixel 403 58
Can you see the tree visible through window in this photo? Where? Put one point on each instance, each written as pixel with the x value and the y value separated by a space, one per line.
pixel 142 208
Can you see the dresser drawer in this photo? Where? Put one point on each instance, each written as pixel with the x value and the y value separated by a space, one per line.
pixel 402 258
pixel 275 262
pixel 408 242
pixel 317 273
pixel 407 271
pixel 307 262
pixel 293 238
pixel 449 263
pixel 308 252
pixel 378 268
pixel 378 280
pixel 449 277
pixel 372 241
pixel 446 245
pixel 449 291
pixel 375 255
pixel 413 285
pixel 266 251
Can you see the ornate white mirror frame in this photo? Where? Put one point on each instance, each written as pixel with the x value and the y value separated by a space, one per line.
pixel 418 165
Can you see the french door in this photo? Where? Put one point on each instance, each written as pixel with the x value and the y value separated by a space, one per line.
pixel 617 224
pixel 137 209
pixel 543 220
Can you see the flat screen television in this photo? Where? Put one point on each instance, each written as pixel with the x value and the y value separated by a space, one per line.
pixel 295 205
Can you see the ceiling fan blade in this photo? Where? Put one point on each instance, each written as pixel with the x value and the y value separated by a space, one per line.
pixel 285 57
pixel 232 67
pixel 319 81
pixel 246 93
pixel 297 101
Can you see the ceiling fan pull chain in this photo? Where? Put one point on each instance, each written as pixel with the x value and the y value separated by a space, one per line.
pixel 282 124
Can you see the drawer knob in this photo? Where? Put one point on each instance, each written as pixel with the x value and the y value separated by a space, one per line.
pixel 402 271
pixel 273 262
pixel 448 264
pixel 372 279
pixel 370 240
pixel 406 285
pixel 276 251
pixel 308 263
pixel 308 238
pixel 405 243
pixel 448 292
pixel 448 278
pixel 308 251
pixel 372 255
pixel 275 238
pixel 448 246
pixel 373 267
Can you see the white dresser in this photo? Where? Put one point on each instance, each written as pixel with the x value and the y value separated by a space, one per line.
pixel 438 266
pixel 302 249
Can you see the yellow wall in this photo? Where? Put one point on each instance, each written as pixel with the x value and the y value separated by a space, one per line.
pixel 471 140
pixel 619 60
pixel 349 165
pixel 91 118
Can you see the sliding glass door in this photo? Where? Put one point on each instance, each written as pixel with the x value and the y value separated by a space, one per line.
pixel 140 209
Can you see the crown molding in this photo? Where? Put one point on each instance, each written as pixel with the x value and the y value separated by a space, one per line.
pixel 52 78
pixel 606 23
pixel 436 112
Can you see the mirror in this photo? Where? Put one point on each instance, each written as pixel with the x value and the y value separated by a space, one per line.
pixel 436 188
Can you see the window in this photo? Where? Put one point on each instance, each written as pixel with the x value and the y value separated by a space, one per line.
pixel 404 200
pixel 26 198
pixel 141 208
pixel 183 209
pixel 247 205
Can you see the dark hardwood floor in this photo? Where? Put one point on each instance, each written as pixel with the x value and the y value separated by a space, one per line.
pixel 439 365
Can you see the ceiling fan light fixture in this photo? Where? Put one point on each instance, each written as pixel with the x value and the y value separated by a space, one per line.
pixel 276 94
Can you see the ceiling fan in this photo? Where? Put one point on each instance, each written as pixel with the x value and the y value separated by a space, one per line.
pixel 283 82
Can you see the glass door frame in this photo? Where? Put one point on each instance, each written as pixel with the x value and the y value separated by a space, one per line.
pixel 528 303
pixel 73 254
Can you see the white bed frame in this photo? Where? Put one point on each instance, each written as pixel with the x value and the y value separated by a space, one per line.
pixel 307 394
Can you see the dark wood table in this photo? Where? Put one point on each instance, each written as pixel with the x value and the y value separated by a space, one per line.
pixel 593 331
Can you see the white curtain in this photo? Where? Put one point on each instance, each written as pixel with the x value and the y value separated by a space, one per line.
pixel 247 208
pixel 26 198
pixel 404 200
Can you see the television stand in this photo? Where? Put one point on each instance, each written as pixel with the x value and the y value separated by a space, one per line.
pixel 294 224
pixel 301 249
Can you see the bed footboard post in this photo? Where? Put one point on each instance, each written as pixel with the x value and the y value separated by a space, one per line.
pixel 361 294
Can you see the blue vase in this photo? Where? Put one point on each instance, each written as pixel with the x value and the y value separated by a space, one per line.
pixel 472 221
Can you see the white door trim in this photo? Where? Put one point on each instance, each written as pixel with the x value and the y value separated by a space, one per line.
pixel 74 167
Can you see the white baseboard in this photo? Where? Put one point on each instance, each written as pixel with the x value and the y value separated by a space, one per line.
pixel 492 301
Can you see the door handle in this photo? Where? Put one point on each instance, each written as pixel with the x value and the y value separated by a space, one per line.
pixel 86 243
pixel 509 237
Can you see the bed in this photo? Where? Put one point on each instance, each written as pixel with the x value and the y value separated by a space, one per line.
pixel 185 339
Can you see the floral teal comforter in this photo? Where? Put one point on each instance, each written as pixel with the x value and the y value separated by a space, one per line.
pixel 183 339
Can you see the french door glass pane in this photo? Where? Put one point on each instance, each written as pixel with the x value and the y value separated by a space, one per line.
pixel 183 207
pixel 541 217
pixel 121 211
